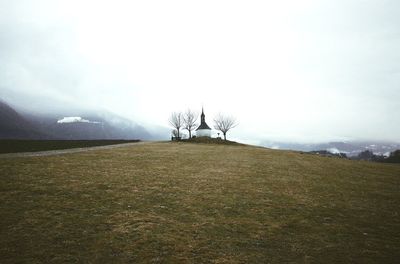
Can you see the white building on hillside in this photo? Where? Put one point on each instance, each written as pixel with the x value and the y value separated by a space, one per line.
pixel 203 130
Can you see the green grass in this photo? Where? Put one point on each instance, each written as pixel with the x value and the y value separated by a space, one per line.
pixel 198 203
pixel 16 145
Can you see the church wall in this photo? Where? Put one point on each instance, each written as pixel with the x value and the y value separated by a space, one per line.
pixel 203 133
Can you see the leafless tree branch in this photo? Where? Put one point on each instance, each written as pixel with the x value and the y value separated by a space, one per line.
pixel 176 121
pixel 224 124
pixel 189 121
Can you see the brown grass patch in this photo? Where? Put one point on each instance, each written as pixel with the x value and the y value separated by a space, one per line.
pixel 198 203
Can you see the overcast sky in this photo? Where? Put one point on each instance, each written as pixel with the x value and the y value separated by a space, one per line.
pixel 287 70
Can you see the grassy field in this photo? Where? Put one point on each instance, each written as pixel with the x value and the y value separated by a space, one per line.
pixel 16 145
pixel 198 203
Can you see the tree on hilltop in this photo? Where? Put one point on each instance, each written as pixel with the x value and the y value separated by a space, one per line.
pixel 176 121
pixel 189 121
pixel 224 124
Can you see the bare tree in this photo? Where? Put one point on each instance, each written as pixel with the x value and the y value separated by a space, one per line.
pixel 174 133
pixel 176 122
pixel 189 121
pixel 224 124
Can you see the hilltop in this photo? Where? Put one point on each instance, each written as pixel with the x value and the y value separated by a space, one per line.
pixel 209 140
pixel 197 203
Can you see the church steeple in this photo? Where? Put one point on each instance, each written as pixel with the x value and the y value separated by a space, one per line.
pixel 203 116
pixel 203 124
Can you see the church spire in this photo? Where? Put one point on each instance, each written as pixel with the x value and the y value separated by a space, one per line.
pixel 203 116
pixel 203 124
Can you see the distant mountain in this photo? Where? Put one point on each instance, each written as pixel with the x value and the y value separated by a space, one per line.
pixel 349 148
pixel 90 126
pixel 73 124
pixel 13 125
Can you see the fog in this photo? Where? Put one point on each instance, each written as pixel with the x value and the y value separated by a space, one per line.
pixel 304 71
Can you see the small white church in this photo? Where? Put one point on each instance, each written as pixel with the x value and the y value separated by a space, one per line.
pixel 203 130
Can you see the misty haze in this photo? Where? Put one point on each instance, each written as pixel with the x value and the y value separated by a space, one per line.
pixel 197 132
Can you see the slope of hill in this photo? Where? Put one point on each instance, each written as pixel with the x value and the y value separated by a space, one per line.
pixel 198 203
pixel 13 125
pixel 27 145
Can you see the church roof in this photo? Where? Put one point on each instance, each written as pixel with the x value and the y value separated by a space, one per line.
pixel 203 124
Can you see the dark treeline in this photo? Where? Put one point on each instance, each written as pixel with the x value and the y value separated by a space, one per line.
pixel 368 155
pixel 394 157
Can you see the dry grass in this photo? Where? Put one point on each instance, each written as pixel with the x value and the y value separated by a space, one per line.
pixel 198 203
pixel 27 145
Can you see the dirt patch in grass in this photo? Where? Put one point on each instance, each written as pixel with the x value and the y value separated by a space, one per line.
pixel 198 203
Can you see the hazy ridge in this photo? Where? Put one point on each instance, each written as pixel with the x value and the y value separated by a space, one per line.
pixel 21 124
